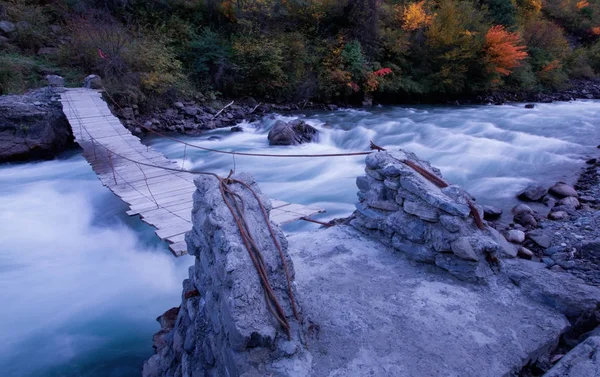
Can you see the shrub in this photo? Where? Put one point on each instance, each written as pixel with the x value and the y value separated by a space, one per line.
pixel 504 51
pixel 18 73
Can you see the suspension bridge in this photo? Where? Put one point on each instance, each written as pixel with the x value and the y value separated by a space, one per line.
pixel 157 189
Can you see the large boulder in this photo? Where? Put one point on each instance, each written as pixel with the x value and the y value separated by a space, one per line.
pixel 32 127
pixel 292 133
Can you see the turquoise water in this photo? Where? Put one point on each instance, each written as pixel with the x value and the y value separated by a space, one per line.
pixel 81 283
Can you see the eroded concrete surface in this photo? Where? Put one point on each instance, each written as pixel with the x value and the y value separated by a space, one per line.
pixel 372 312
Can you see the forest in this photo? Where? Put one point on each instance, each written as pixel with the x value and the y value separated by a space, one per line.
pixel 342 51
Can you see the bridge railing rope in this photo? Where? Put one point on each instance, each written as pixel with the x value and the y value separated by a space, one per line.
pixel 235 204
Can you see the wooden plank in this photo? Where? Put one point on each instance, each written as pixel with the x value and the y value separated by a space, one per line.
pixel 171 231
pixel 177 238
pixel 143 187
pixel 178 249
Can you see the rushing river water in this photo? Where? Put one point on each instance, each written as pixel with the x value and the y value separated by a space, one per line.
pixel 81 282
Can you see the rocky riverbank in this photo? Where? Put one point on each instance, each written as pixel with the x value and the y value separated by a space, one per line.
pixel 415 276
pixel 33 126
pixel 564 233
pixel 577 89
pixel 194 117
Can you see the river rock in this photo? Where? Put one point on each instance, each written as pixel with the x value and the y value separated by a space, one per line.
pixel 237 129
pixel 569 201
pixel 540 237
pixel 532 193
pixel 491 212
pixel 93 82
pixel 522 209
pixel 558 215
pixel 562 190
pixel 524 252
pixel 29 131
pixel 292 133
pixel 549 201
pixel 525 219
pixel 515 236
pixel 529 106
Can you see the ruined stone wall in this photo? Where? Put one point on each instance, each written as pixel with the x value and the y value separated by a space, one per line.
pixel 401 208
pixel 223 326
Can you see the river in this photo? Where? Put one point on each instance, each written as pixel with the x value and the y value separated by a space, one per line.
pixel 82 283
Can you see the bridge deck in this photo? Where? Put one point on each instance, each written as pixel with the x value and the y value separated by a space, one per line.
pixel 161 197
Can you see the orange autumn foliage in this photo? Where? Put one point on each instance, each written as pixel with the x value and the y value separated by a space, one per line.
pixel 583 4
pixel 503 49
pixel 553 65
pixel 595 30
pixel 415 17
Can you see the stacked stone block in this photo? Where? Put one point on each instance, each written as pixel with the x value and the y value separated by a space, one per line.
pixel 402 208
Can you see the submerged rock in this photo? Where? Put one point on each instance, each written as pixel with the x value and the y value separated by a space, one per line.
pixel 292 133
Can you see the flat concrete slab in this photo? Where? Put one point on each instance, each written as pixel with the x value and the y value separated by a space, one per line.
pixel 372 312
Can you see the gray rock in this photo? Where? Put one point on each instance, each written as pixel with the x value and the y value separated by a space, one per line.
pixel 29 131
pixel 548 261
pixel 581 361
pixel 587 199
pixel 462 248
pixel 491 212
pixel 522 209
pixel 540 237
pixel 433 196
pixel 515 236
pixel 93 82
pixel 570 202
pixel 562 190
pixel 451 223
pixel 506 248
pixel 532 193
pixel 553 250
pixel 525 219
pixel 524 252
pixel 292 133
pixel 178 105
pixel 7 27
pixel 383 205
pixel 549 201
pixel 421 210
pixel 55 81
pixel 191 110
pixel 558 215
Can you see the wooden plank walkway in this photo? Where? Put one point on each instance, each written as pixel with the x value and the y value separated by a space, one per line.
pixel 162 198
